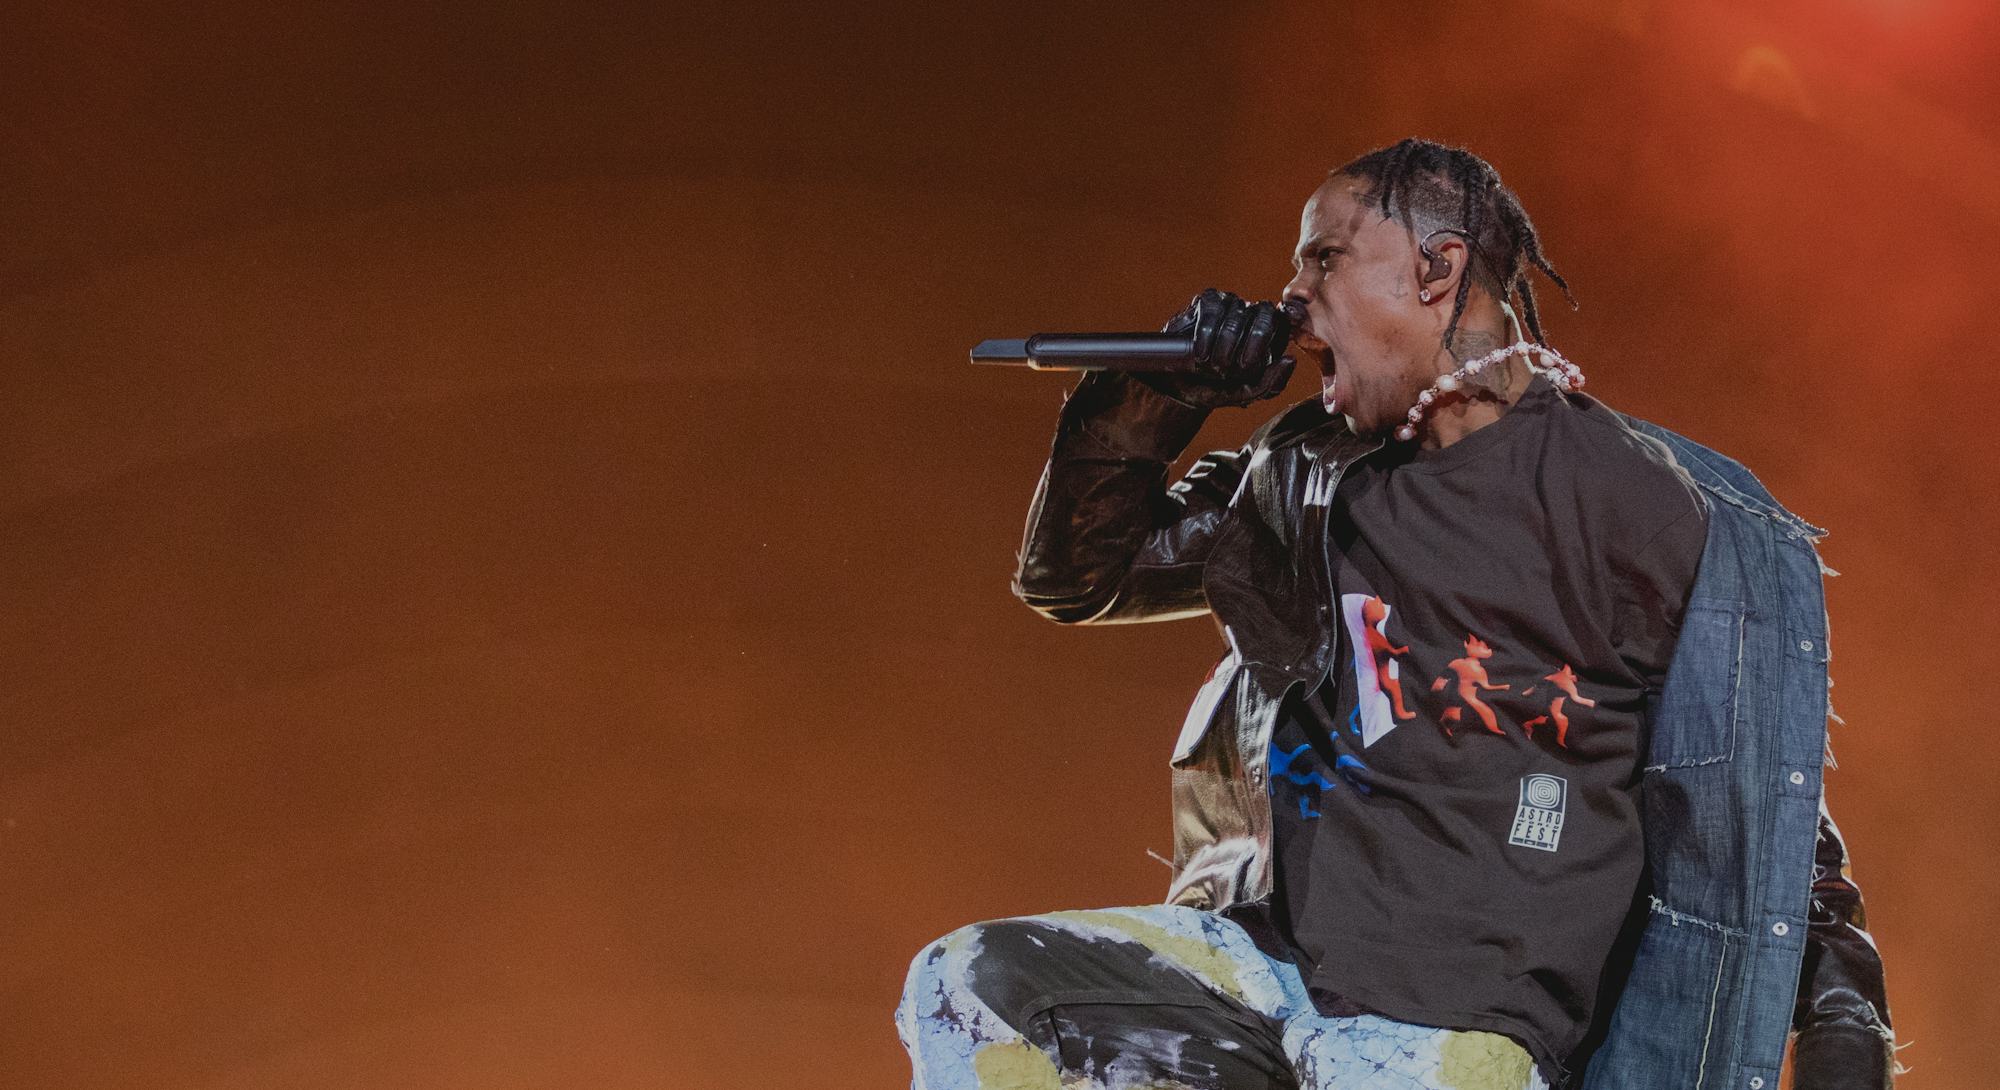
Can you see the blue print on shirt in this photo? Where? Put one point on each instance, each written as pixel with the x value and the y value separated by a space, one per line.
pixel 1293 766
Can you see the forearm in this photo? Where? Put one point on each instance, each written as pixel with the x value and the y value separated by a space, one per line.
pixel 1103 496
pixel 1109 413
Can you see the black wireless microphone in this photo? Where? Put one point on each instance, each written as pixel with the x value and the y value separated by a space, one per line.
pixel 1152 352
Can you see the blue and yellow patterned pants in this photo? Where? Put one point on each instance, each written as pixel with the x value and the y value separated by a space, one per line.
pixel 1158 997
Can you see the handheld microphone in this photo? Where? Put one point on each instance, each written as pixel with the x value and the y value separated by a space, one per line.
pixel 1163 353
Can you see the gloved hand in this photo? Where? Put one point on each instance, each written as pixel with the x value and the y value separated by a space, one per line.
pixel 1233 342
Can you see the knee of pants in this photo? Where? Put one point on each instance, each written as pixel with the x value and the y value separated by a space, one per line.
pixel 977 974
pixel 934 975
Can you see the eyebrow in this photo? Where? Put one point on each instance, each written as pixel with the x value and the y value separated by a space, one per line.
pixel 1311 244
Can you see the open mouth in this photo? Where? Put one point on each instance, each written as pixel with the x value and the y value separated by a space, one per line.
pixel 1321 353
pixel 1307 344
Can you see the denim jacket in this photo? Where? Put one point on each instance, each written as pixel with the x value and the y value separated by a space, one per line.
pixel 1747 926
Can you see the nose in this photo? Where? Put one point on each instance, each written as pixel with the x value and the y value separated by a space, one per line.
pixel 1295 289
pixel 1293 301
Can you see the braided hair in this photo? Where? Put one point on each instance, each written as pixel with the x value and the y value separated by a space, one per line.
pixel 1434 187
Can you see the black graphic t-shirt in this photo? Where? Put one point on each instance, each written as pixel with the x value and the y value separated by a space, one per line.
pixel 1456 806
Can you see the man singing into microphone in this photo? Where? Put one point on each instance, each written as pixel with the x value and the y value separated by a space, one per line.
pixel 1509 775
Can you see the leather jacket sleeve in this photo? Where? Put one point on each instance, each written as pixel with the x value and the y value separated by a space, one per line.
pixel 1842 1017
pixel 1107 540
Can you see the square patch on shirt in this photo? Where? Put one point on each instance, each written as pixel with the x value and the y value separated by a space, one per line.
pixel 1538 820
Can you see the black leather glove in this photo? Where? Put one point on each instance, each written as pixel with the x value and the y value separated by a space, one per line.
pixel 1233 344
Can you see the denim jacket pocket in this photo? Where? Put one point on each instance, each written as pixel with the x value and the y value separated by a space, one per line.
pixel 1694 718
pixel 1805 644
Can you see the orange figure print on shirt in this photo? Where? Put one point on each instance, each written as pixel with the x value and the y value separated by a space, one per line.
pixel 1565 680
pixel 1374 611
pixel 1472 679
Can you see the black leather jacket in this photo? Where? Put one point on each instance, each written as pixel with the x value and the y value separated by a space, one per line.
pixel 1109 541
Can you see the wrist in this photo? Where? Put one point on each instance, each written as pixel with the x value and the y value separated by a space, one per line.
pixel 1129 418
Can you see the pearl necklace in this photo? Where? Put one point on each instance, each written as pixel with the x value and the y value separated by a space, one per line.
pixel 1563 374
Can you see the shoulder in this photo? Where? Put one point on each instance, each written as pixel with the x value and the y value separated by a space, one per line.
pixel 1296 421
pixel 1721 477
pixel 1613 435
pixel 1626 446
pixel 1283 441
pixel 1637 478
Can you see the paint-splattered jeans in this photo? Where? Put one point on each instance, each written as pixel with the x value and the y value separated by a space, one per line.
pixel 1159 996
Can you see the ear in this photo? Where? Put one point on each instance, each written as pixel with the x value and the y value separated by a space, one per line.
pixel 1442 258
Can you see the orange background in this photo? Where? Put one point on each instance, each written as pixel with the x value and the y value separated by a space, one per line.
pixel 505 562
